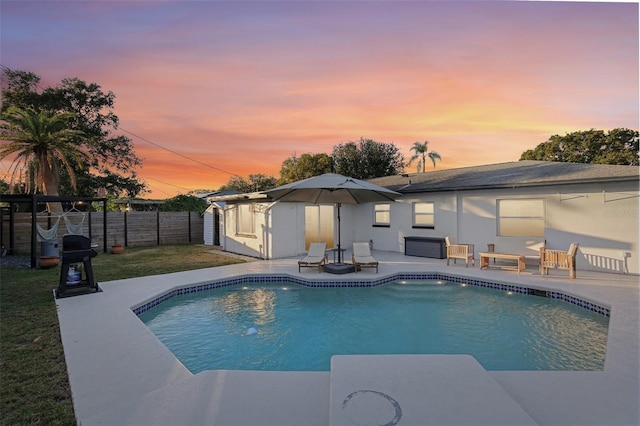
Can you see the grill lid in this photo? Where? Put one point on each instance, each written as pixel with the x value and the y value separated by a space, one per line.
pixel 75 242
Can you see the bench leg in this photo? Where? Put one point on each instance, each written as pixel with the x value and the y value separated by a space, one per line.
pixel 484 262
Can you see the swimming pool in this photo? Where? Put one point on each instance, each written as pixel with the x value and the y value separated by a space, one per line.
pixel 282 326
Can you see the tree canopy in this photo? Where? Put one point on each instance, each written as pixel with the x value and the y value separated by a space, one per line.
pixel 108 159
pixel 618 146
pixel 307 165
pixel 42 144
pixel 184 203
pixel 367 159
pixel 255 183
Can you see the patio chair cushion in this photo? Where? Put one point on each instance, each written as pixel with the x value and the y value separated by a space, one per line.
pixel 316 257
pixel 361 257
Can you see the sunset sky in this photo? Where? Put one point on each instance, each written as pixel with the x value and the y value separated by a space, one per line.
pixel 240 85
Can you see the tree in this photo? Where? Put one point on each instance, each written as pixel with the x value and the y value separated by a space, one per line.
pixel 307 165
pixel 367 159
pixel 110 161
pixel 618 146
pixel 4 187
pixel 255 183
pixel 184 203
pixel 421 152
pixel 19 89
pixel 41 142
pixel 347 160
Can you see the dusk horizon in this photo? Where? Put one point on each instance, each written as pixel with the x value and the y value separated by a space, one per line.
pixel 241 86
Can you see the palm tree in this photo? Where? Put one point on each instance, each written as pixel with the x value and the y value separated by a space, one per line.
pixel 42 142
pixel 421 152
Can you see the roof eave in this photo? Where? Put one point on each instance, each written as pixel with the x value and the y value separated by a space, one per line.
pixel 253 196
pixel 516 185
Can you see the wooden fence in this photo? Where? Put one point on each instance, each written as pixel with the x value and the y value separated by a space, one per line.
pixel 131 229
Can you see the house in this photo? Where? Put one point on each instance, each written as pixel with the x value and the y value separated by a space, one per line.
pixel 516 206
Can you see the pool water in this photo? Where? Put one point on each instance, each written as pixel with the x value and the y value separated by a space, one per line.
pixel 287 327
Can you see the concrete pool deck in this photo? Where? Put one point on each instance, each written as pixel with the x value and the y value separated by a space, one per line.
pixel 121 374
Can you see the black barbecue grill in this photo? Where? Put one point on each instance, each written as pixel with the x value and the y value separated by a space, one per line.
pixel 76 249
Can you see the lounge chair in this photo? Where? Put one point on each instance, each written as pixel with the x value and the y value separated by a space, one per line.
pixel 316 257
pixel 559 259
pixel 460 251
pixel 361 257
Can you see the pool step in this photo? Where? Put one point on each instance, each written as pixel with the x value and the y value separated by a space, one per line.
pixel 418 390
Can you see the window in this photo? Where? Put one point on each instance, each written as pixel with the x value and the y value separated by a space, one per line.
pixel 381 214
pixel 521 218
pixel 245 223
pixel 424 215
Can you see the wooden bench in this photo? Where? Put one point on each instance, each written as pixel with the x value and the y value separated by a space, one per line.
pixel 484 260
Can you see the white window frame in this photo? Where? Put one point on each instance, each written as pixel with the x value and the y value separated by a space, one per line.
pixel 248 226
pixel 532 216
pixel 420 219
pixel 382 214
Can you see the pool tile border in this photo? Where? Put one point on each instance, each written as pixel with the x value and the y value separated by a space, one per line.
pixel 267 278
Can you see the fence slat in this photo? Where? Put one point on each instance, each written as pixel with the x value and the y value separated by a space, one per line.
pixel 134 229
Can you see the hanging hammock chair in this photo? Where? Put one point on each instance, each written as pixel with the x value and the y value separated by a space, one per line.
pixel 74 228
pixel 48 234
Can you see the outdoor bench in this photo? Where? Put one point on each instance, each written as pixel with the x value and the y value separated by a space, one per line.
pixel 484 260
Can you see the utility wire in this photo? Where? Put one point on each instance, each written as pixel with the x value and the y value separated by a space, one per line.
pixel 177 153
pixel 154 189
pixel 161 147
pixel 170 184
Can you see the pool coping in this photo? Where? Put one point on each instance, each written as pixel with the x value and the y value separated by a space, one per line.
pixel 592 306
pixel 116 364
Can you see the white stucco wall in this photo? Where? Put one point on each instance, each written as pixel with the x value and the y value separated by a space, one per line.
pixel 602 218
pixel 248 245
pixel 207 232
pixel 392 238
pixel 286 218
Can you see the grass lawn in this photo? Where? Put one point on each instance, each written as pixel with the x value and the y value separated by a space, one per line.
pixel 34 387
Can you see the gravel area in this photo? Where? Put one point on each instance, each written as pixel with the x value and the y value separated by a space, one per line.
pixel 15 262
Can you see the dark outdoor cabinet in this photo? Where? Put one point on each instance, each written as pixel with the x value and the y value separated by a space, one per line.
pixel 425 247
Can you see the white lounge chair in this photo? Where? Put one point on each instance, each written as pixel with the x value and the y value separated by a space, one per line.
pixel 361 257
pixel 316 257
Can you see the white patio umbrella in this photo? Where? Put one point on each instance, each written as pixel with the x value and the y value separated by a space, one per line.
pixel 332 188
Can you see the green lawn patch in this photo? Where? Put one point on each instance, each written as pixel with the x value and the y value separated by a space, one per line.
pixel 34 386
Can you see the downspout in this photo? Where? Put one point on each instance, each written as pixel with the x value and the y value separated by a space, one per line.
pixel 459 211
pixel 224 244
pixel 265 233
